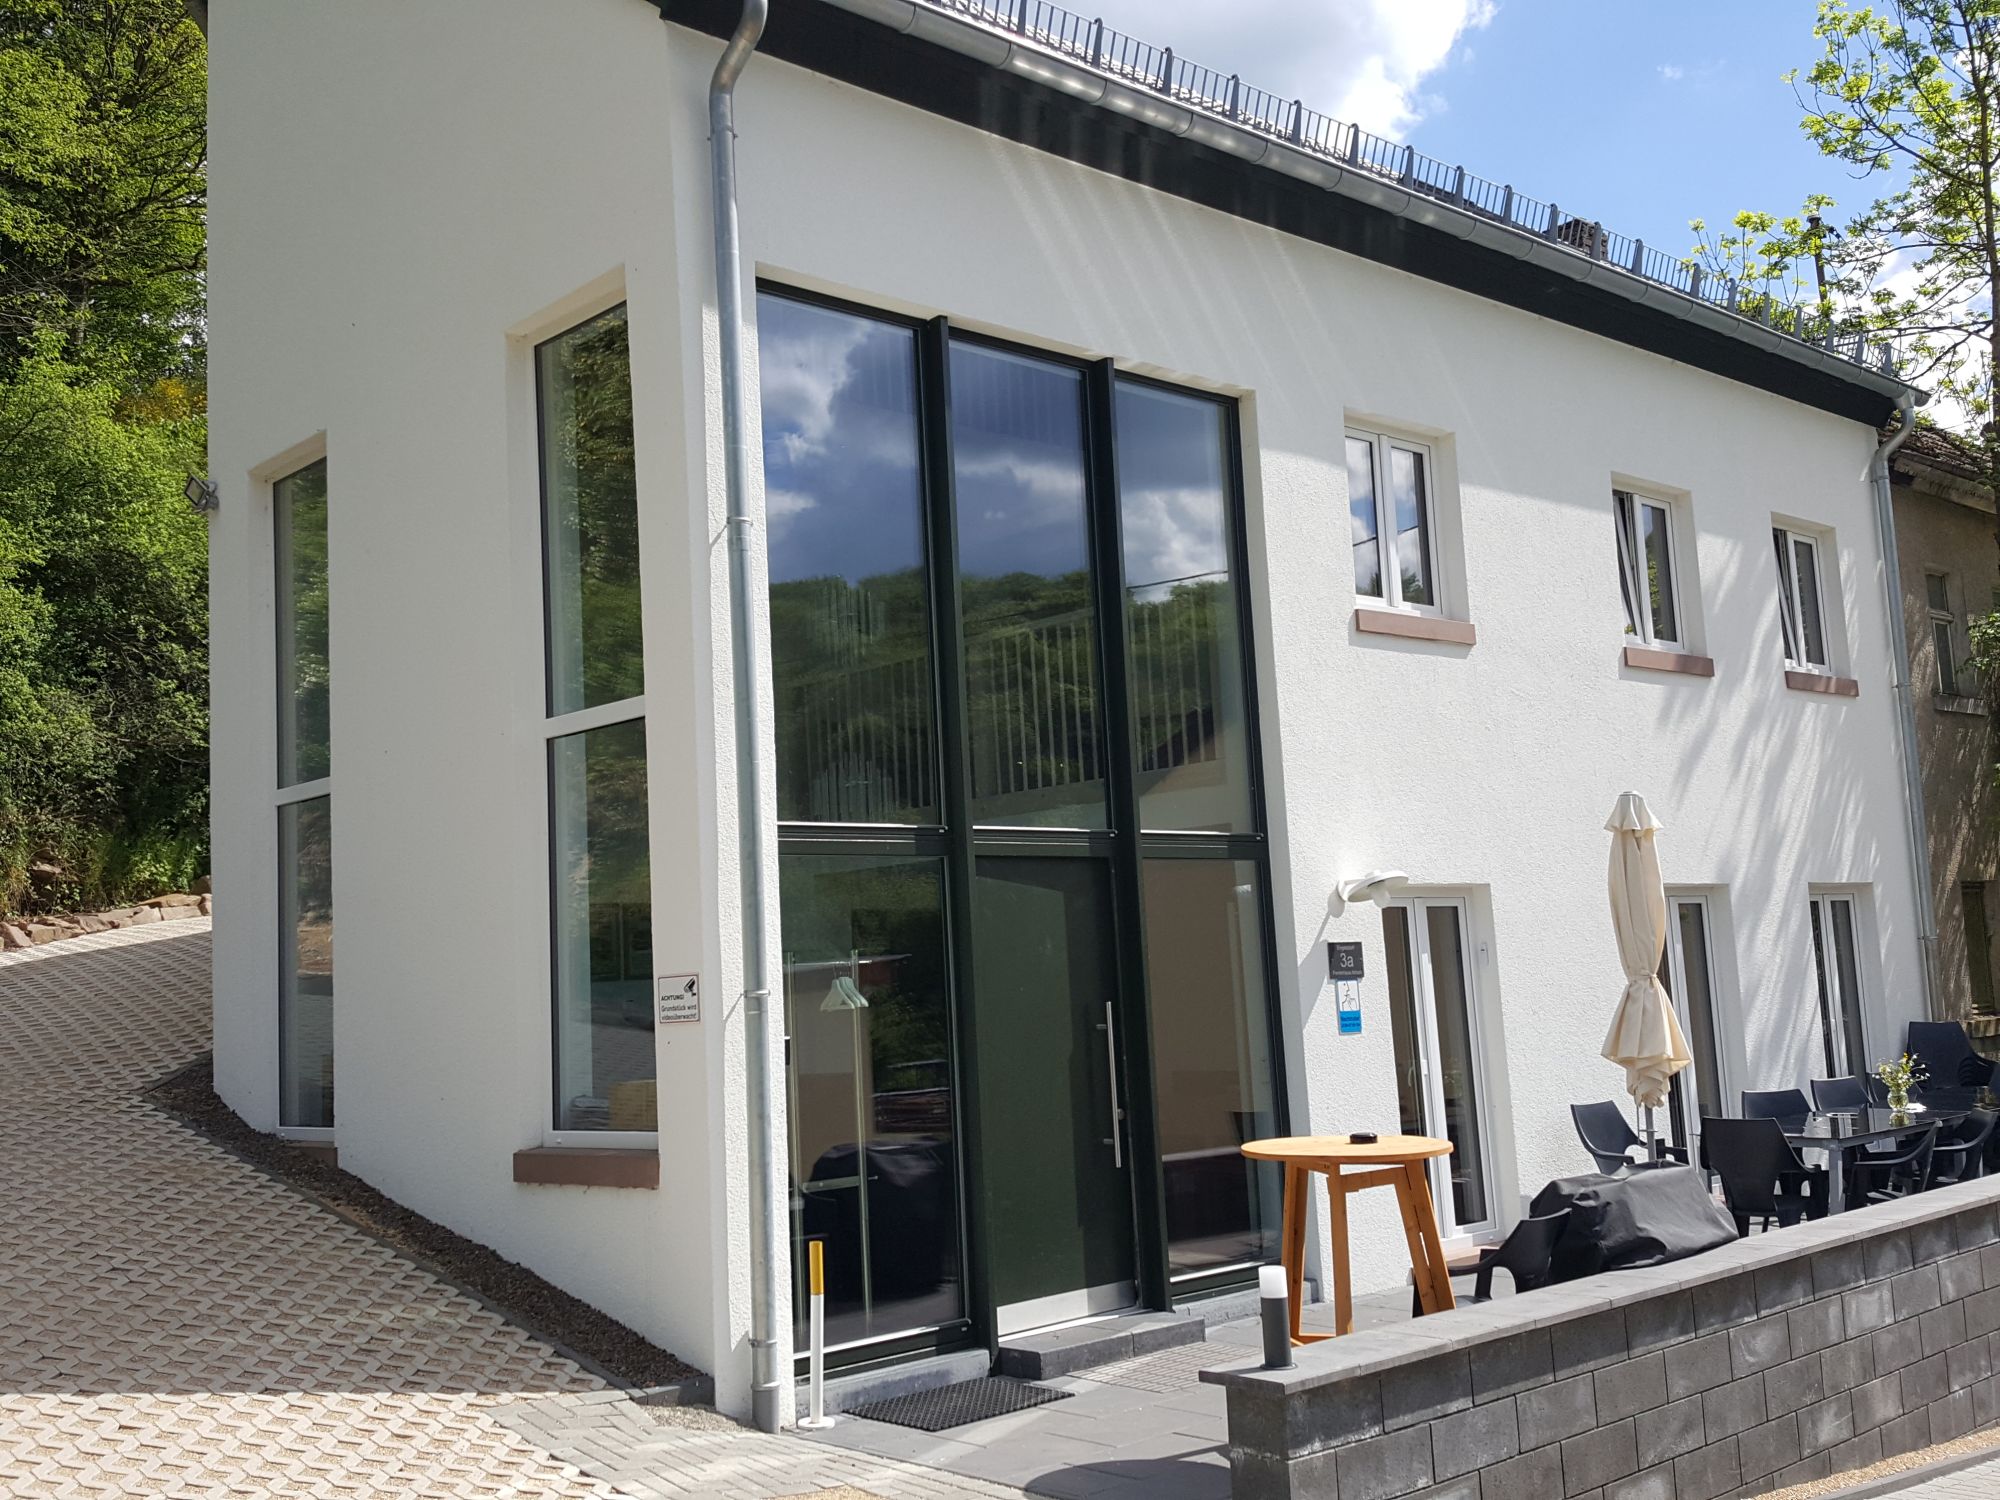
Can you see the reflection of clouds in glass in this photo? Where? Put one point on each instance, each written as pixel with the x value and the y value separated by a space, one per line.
pixel 781 506
pixel 804 362
pixel 1171 535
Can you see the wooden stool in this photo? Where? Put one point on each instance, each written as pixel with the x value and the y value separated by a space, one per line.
pixel 1393 1161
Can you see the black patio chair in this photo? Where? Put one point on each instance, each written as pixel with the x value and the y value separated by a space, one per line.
pixel 1609 1137
pixel 1829 1094
pixel 1525 1255
pixel 1774 1104
pixel 1877 1179
pixel 1948 1055
pixel 1960 1152
pixel 1762 1176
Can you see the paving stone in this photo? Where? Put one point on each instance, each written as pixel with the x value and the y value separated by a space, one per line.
pixel 1425 1390
pixel 1553 1412
pixel 1730 1409
pixel 1707 1472
pixel 1769 1448
pixel 1588 1343
pixel 1759 1345
pixel 1788 1387
pixel 1474 1439
pixel 1826 1424
pixel 1378 1468
pixel 1668 1431
pixel 1725 1303
pixel 1697 1365
pixel 1924 1382
pixel 1508 1366
pixel 1535 1475
pixel 1593 1459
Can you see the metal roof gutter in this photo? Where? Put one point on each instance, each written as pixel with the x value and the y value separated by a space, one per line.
pixel 1014 55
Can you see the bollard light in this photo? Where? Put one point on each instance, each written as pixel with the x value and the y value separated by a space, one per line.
pixel 1274 1300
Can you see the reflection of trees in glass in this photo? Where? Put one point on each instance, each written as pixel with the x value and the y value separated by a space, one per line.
pixel 1176 647
pixel 593 512
pixel 1031 683
pixel 853 670
pixel 301 499
pixel 612 882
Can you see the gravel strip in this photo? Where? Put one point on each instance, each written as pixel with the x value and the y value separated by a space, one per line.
pixel 1978 1442
pixel 573 1326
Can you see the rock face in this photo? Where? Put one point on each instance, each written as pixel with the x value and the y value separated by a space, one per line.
pixel 27 932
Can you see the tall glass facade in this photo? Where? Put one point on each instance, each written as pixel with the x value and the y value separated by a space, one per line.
pixel 1023 868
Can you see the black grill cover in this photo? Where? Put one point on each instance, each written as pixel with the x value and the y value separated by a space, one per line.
pixel 1646 1217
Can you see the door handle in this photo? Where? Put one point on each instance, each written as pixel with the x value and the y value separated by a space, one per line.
pixel 1111 1070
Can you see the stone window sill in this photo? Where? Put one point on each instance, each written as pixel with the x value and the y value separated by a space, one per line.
pixel 1415 627
pixel 1945 704
pixel 1822 682
pixel 588 1166
pixel 1654 660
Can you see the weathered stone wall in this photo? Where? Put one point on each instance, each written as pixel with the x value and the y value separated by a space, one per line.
pixel 1779 1359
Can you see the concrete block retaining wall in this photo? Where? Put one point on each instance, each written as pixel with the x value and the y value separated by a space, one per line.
pixel 1781 1358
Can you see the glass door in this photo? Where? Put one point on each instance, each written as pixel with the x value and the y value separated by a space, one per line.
pixel 1434 1023
pixel 1687 971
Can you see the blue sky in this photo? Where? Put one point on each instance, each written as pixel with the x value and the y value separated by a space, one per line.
pixel 1641 114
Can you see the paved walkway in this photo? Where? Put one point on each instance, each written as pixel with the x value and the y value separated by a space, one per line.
pixel 175 1323
pixel 1979 1482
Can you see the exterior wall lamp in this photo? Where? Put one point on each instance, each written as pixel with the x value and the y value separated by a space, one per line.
pixel 1378 886
pixel 201 493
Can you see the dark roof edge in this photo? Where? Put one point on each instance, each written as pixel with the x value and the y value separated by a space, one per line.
pixel 857 42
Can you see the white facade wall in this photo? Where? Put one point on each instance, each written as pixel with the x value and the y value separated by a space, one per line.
pixel 407 196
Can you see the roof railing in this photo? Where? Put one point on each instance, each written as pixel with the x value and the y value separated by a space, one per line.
pixel 1140 64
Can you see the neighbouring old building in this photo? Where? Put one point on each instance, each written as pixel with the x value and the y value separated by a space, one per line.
pixel 1175 506
pixel 1951 576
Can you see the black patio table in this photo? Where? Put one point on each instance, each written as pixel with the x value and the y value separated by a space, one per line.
pixel 1836 1132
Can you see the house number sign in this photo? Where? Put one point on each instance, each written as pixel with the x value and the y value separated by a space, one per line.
pixel 679 999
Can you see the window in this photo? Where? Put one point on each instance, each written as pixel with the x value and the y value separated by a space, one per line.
pixel 1944 635
pixel 1837 967
pixel 600 876
pixel 1801 612
pixel 1647 575
pixel 304 802
pixel 1390 519
pixel 1978 946
pixel 1435 1029
pixel 1687 970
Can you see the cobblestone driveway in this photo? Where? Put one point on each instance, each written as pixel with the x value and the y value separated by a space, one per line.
pixel 175 1323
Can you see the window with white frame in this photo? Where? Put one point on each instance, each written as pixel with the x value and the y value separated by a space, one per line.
pixel 1434 1024
pixel 1837 970
pixel 1648 570
pixel 1944 635
pixel 304 802
pixel 1392 521
pixel 1801 599
pixel 1687 970
pixel 600 876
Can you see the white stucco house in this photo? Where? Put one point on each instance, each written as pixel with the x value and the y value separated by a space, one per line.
pixel 1167 507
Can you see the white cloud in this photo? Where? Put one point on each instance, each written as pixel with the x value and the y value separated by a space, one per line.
pixel 1362 61
pixel 1672 72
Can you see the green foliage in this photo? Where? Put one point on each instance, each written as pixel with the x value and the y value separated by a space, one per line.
pixel 103 569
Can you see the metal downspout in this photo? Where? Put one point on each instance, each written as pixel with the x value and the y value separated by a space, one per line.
pixel 1906 709
pixel 765 1387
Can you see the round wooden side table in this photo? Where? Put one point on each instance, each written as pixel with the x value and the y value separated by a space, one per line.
pixel 1393 1161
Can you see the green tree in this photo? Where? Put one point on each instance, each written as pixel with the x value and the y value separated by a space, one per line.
pixel 103 610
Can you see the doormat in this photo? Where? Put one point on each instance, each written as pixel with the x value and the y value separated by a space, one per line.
pixel 956 1405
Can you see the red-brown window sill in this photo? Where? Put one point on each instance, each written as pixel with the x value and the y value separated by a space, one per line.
pixel 1822 682
pixel 1655 660
pixel 1415 627
pixel 588 1166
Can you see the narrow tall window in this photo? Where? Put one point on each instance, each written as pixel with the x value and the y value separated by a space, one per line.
pixel 1837 966
pixel 1389 518
pixel 1647 573
pixel 1978 946
pixel 600 873
pixel 1435 1029
pixel 1800 611
pixel 1687 970
pixel 1944 634
pixel 305 804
